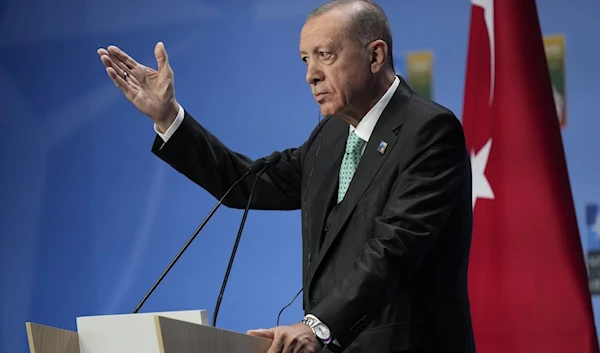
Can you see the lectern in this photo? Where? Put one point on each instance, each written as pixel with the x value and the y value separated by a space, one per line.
pixel 162 332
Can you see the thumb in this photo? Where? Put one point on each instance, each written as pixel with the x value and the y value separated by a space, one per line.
pixel 262 333
pixel 161 56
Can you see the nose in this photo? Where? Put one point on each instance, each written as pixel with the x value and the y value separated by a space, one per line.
pixel 314 74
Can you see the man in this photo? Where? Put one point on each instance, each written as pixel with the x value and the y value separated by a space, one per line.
pixel 383 182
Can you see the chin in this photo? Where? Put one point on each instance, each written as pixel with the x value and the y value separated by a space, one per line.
pixel 328 110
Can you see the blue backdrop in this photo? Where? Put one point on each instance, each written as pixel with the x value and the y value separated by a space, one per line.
pixel 89 217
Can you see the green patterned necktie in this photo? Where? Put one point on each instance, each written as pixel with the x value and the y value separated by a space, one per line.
pixel 352 156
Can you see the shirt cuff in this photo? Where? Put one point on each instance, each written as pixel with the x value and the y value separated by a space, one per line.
pixel 174 126
pixel 334 341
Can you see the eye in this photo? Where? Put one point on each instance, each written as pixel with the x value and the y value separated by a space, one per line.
pixel 324 54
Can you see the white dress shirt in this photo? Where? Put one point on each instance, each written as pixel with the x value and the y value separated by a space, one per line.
pixel 365 127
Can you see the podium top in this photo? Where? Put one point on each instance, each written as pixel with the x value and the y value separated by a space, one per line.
pixel 47 339
pixel 176 336
pixel 169 332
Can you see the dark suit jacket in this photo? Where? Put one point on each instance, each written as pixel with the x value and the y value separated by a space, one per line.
pixel 386 268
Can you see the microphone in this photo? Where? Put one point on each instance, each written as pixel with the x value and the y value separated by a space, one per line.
pixel 258 166
pixel 270 161
pixel 265 163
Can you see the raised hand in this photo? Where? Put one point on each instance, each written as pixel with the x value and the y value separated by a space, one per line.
pixel 151 91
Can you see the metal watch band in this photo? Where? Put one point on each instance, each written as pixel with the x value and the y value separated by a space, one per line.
pixel 312 323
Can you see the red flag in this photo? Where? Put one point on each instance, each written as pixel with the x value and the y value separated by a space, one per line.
pixel 527 277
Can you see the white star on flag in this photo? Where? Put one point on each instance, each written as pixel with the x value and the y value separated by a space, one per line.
pixel 481 186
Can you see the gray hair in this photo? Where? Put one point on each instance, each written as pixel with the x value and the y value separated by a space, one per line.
pixel 368 23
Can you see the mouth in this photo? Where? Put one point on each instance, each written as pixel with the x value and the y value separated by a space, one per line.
pixel 320 96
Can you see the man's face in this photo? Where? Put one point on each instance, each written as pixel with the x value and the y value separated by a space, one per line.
pixel 336 69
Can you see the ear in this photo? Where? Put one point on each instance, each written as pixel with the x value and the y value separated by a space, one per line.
pixel 378 51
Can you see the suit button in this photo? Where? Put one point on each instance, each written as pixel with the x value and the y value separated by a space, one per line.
pixel 326 227
pixel 314 303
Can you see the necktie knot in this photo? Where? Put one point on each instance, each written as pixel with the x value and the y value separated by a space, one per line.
pixel 354 144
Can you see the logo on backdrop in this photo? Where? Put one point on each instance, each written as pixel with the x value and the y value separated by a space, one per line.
pixel 554 46
pixel 419 71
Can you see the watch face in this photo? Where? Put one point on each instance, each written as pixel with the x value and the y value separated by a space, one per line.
pixel 322 332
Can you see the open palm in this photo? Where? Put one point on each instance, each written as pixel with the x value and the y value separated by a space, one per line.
pixel 151 91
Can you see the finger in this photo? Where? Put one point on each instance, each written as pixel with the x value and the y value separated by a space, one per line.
pixel 122 57
pixel 127 89
pixel 105 57
pixel 117 79
pixel 291 344
pixel 113 61
pixel 302 346
pixel 162 59
pixel 123 69
pixel 110 63
pixel 277 344
pixel 262 333
pixel 276 347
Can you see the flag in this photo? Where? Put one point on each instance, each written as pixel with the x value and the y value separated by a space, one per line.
pixel 527 276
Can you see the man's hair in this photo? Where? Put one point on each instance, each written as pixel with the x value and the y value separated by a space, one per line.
pixel 368 22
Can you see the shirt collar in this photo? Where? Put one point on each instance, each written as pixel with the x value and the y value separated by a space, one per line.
pixel 365 127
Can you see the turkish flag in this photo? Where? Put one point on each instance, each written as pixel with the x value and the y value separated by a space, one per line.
pixel 527 276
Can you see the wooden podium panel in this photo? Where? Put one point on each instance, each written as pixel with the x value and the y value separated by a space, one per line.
pixel 164 332
pixel 176 336
pixel 46 339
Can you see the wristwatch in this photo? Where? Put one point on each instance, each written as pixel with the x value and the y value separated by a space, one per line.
pixel 320 330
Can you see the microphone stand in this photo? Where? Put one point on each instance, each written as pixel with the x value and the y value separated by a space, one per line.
pixel 235 246
pixel 257 167
pixel 187 244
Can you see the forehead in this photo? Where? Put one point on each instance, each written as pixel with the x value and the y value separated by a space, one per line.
pixel 326 29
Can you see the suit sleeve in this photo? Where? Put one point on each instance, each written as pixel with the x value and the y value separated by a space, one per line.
pixel 420 201
pixel 201 157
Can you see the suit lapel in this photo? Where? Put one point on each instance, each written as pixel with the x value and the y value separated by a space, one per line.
pixel 327 168
pixel 370 163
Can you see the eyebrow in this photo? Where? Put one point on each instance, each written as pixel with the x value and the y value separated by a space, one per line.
pixel 327 44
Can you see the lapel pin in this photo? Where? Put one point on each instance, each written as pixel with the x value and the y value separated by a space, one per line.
pixel 382 146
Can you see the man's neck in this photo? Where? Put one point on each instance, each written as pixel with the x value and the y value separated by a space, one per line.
pixel 377 91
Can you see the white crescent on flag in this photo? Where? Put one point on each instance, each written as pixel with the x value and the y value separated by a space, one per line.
pixel 488 16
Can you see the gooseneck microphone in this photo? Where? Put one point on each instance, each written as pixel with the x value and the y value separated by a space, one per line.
pixel 272 160
pixel 258 166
